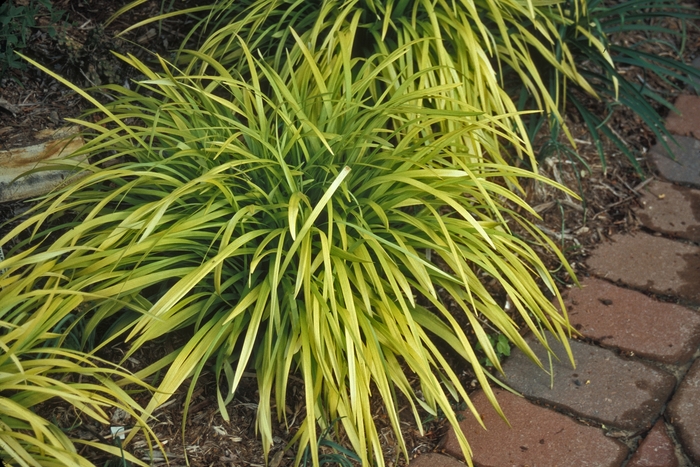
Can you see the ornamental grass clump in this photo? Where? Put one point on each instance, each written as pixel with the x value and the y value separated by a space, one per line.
pixel 481 47
pixel 294 221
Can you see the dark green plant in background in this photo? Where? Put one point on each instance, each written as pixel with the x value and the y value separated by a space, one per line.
pixel 17 22
pixel 92 59
pixel 340 456
pixel 501 346
pixel 603 21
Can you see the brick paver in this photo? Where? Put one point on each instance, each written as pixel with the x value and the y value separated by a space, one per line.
pixel 632 322
pixel 656 450
pixel 671 210
pixel 650 263
pixel 435 460
pixel 685 168
pixel 684 412
pixel 537 437
pixel 617 392
pixel 688 122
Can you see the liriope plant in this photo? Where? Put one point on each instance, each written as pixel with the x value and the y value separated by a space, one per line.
pixel 296 222
pixel 654 20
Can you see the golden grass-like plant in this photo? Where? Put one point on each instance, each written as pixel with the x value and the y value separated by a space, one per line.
pixel 296 221
pixel 477 45
pixel 35 370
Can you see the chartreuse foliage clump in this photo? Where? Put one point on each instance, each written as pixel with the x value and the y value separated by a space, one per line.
pixel 327 219
pixel 477 46
pixel 35 368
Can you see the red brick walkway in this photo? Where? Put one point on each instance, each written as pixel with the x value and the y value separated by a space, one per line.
pixel 633 399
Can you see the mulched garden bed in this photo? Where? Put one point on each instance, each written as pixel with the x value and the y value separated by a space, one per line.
pixel 80 51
